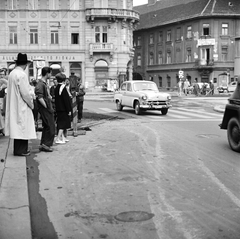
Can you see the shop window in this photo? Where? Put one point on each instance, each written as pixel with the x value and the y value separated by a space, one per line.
pixel 30 70
pixel 76 68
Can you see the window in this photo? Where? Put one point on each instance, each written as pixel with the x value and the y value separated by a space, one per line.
pixel 151 59
pixel 32 4
pixel 75 38
pixel 206 31
pixel 12 4
pixel 139 41
pixel 30 70
pixel 169 35
pixel 160 37
pixel 100 3
pixel 225 29
pixel 139 60
pixel 129 87
pixel 101 34
pixel 189 32
pixel 189 55
pixel 160 58
pixel 169 58
pixel 33 36
pixel 160 81
pixel 151 38
pixel 123 87
pixel 224 53
pixel 13 35
pixel 74 4
pixel 54 37
pixel 178 35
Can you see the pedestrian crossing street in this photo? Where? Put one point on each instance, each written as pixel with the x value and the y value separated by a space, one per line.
pixel 174 114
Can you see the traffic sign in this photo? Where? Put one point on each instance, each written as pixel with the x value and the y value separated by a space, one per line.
pixel 181 74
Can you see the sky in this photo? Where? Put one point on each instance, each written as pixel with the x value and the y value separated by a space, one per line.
pixel 139 2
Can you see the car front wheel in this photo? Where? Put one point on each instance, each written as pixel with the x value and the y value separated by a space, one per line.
pixel 233 133
pixel 137 108
pixel 119 105
pixel 164 111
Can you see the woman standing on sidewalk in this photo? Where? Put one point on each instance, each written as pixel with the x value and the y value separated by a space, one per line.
pixel 63 108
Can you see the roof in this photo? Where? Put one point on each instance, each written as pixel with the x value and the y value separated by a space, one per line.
pixel 165 12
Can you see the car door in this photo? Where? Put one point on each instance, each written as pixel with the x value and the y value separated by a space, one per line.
pixel 127 95
pixel 122 92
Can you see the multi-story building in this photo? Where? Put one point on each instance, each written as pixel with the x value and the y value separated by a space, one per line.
pixel 199 37
pixel 93 38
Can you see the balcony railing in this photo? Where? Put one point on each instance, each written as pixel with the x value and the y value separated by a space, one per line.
pixel 201 63
pixel 109 12
pixel 101 47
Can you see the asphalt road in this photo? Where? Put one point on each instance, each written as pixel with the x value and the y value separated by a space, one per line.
pixel 143 177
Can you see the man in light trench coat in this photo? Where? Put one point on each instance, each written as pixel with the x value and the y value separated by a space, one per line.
pixel 19 121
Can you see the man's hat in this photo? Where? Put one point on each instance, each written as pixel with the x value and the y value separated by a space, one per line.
pixel 22 59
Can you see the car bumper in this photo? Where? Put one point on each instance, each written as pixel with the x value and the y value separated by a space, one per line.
pixel 155 107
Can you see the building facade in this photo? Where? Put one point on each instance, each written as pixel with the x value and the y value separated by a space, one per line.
pixel 198 37
pixel 93 38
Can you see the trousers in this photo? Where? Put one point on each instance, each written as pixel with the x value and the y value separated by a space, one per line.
pixel 48 132
pixel 20 146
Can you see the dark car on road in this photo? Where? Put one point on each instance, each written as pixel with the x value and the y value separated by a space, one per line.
pixel 231 119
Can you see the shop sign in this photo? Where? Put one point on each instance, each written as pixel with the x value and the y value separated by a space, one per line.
pixel 32 57
pixel 206 42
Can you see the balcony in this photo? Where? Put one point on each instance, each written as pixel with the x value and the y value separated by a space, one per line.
pixel 202 63
pixel 112 14
pixel 100 48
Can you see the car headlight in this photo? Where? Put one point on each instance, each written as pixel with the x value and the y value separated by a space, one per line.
pixel 144 97
pixel 169 97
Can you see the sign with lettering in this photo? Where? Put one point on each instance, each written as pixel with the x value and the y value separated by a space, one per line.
pixel 206 42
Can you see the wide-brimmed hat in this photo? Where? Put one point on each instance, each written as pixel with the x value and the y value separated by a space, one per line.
pixel 22 59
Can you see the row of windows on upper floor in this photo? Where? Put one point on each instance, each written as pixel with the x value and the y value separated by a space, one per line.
pixel 101 35
pixel 204 53
pixel 189 34
pixel 56 4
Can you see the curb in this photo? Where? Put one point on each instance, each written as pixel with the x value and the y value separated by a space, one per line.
pixel 14 203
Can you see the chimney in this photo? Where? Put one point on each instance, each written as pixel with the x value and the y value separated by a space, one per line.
pixel 151 2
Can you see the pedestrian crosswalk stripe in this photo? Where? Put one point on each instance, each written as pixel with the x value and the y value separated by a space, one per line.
pixel 108 110
pixel 200 112
pixel 189 114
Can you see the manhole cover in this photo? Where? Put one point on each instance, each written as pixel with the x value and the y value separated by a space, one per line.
pixel 134 216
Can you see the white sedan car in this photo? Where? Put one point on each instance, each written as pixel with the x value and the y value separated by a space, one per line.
pixel 141 96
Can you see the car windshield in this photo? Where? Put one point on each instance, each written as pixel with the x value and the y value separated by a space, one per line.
pixel 138 86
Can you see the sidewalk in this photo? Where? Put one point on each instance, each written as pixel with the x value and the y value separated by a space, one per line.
pixel 14 202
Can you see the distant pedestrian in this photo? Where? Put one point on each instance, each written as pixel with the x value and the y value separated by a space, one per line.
pixel 196 88
pixel 80 99
pixel 19 121
pixel 63 108
pixel 186 85
pixel 44 101
pixel 211 88
pixel 74 81
pixel 180 87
